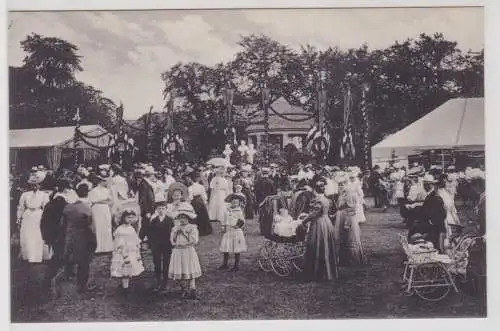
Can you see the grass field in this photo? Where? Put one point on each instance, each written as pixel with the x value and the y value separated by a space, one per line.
pixel 371 291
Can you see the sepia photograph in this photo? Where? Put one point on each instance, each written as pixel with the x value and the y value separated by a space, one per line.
pixel 247 164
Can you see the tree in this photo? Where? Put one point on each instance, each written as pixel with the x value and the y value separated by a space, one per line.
pixel 45 93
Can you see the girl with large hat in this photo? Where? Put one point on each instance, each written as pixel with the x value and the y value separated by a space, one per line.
pixel 233 240
pixel 29 214
pixel 101 200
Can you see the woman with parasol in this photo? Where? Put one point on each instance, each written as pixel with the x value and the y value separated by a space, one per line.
pixel 220 189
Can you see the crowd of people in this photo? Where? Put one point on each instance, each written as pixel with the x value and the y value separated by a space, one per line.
pixel 67 217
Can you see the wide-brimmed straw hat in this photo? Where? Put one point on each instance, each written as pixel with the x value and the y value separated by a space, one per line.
pixel 238 196
pixel 186 209
pixel 177 187
pixel 428 178
pixel 36 177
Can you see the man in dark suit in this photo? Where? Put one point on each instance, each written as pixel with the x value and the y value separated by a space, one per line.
pixel 433 215
pixel 80 239
pixel 146 199
pixel 264 186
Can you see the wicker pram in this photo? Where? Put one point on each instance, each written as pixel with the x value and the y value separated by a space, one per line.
pixel 282 255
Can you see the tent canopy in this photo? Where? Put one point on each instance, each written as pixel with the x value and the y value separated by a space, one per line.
pixel 456 124
pixel 48 137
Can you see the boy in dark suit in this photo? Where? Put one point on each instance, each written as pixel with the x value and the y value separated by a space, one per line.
pixel 158 233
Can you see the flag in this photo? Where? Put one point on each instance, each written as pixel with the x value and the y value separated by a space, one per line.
pixel 313 133
pixel 327 137
pixel 347 144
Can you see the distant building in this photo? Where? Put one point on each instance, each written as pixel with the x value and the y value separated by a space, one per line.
pixel 282 131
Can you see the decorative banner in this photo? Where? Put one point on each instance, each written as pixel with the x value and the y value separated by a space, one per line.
pixel 321 108
pixel 228 102
pixel 347 149
pixel 366 138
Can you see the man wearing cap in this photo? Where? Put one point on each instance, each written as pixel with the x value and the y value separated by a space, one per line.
pixel 431 216
pixel 146 198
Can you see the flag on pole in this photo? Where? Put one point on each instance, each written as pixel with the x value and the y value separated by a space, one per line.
pixel 347 145
pixel 313 133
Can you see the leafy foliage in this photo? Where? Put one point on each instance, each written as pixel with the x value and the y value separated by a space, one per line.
pixel 407 80
pixel 44 91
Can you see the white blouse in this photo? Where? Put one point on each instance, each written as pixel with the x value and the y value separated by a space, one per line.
pixel 196 189
pixel 32 201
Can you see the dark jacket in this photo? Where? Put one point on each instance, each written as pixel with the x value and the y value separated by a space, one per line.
pixel 80 240
pixel 50 224
pixel 158 233
pixel 434 213
pixel 264 187
pixel 146 198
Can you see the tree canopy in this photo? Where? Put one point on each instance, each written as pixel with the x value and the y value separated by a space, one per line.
pixel 406 80
pixel 44 91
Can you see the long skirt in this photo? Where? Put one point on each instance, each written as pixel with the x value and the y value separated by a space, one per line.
pixel 31 236
pixel 348 236
pixel 321 256
pixel 184 264
pixel 202 220
pixel 250 203
pixel 103 228
pixel 217 206
pixel 360 213
pixel 233 241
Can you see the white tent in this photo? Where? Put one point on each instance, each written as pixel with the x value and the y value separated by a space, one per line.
pixel 457 124
pixel 47 145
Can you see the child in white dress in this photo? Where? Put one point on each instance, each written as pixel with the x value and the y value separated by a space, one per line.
pixel 233 240
pixel 284 224
pixel 184 263
pixel 126 261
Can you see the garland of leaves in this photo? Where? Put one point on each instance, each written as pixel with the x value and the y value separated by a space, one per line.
pixel 82 138
pixel 92 137
pixel 133 127
pixel 291 119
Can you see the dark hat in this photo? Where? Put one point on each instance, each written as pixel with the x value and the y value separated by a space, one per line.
pixel 237 196
pixel 162 203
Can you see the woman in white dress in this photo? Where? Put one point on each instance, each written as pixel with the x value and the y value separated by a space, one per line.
pixel 358 188
pixel 101 200
pixel 119 189
pixel 219 191
pixel 29 215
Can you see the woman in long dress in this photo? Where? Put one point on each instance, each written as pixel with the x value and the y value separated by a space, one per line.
pixel 220 189
pixel 119 189
pixel 321 256
pixel 360 205
pixel 198 198
pixel 347 231
pixel 29 214
pixel 101 199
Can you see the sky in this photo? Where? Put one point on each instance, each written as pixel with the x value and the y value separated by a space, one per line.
pixel 125 52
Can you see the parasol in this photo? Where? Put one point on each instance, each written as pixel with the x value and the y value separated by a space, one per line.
pixel 218 162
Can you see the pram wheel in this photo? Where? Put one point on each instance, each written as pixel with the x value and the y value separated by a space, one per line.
pixel 265 254
pixel 281 267
pixel 431 282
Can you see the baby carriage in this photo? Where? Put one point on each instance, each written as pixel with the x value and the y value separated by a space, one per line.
pixel 281 255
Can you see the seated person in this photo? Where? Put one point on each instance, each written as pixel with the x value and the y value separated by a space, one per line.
pixel 284 224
